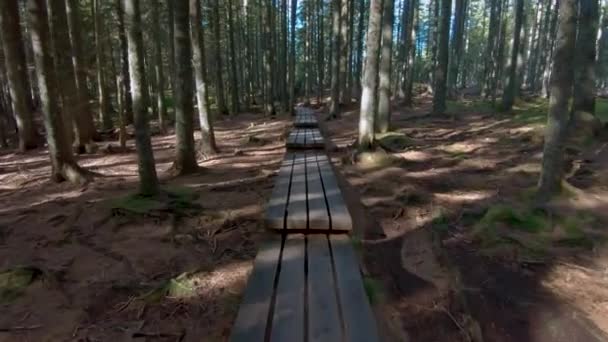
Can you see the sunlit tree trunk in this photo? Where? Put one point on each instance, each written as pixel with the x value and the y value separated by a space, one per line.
pixel 219 81
pixel 16 72
pixel 268 59
pixel 369 98
pixel 292 57
pixel 62 159
pixel 207 145
pixel 562 80
pixel 334 106
pixel 124 63
pixel 384 87
pixel 148 181
pixel 159 74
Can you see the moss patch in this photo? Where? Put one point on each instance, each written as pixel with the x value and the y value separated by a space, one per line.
pixel 13 282
pixel 373 289
pixel 175 200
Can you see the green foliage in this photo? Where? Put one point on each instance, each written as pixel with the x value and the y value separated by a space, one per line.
pixel 180 287
pixel 525 220
pixel 601 109
pixel 531 112
pixel 373 289
pixel 13 282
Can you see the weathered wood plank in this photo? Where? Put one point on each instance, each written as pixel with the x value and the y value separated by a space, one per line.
pixel 359 322
pixel 254 312
pixel 323 312
pixel 340 217
pixel 305 138
pixel 297 215
pixel 277 205
pixel 288 317
pixel 318 216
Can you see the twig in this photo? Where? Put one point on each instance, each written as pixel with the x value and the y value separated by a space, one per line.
pixel 20 328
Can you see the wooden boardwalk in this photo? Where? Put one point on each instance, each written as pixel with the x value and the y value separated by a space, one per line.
pixel 305 138
pixel 305 286
pixel 305 118
pixel 306 196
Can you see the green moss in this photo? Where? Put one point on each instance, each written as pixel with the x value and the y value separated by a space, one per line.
pixel 13 282
pixel 179 287
pixel 531 112
pixel 176 200
pixel 524 220
pixel 373 289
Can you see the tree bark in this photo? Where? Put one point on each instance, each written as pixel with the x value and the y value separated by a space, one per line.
pixel 87 131
pixel 64 167
pixel 561 91
pixel 369 94
pixel 268 60
pixel 124 63
pixel 584 60
pixel 457 41
pixel 441 70
pixel 207 144
pixel 511 89
pixel 234 86
pixel 103 97
pixel 219 82
pixel 159 74
pixel 185 157
pixel 16 72
pixel 384 87
pixel 148 181
pixel 334 106
pixel 292 57
pixel 410 52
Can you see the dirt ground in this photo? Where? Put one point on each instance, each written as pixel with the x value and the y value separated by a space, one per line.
pixel 106 275
pixel 417 207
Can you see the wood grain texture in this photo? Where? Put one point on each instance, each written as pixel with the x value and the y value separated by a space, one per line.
pixel 297 215
pixel 276 208
pixel 318 216
pixel 340 217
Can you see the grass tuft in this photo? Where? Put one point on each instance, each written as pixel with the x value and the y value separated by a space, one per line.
pixel 13 282
pixel 373 289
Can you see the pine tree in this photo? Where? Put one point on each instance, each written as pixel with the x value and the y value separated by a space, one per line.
pixel 441 70
pixel 384 86
pixel 511 89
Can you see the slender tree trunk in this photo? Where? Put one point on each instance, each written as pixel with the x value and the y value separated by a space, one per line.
pixel 122 123
pixel 359 61
pixel 320 52
pixel 546 77
pixel 441 71
pixel 457 41
pixel 148 181
pixel 185 157
pixel 219 85
pixel 491 47
pixel 345 97
pixel 124 63
pixel 103 97
pixel 384 88
pixel 159 75
pixel 284 59
pixel 369 94
pixel 433 39
pixel 562 80
pixel 16 72
pixel 268 60
pixel 62 159
pixel 292 57
pixel 410 51
pixel 207 145
pixel 584 81
pixel 511 89
pixel 233 62
pixel 84 114
pixel 334 106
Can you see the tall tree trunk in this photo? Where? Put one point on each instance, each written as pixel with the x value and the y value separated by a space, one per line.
pixel 84 117
pixel 292 57
pixel 284 58
pixel 410 52
pixel 441 71
pixel 384 87
pixel 62 159
pixel 320 51
pixel 159 75
pixel 16 72
pixel 546 77
pixel 369 94
pixel 268 60
pixel 359 61
pixel 511 89
pixel 433 39
pixel 235 97
pixel 491 47
pixel 584 76
pixel 334 106
pixel 103 96
pixel 219 82
pixel 562 80
pixel 345 98
pixel 185 157
pixel 457 42
pixel 207 145
pixel 124 63
pixel 66 80
pixel 148 181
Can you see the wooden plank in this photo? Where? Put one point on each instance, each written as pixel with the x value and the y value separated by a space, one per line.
pixel 318 216
pixel 297 215
pixel 288 316
pixel 254 312
pixel 301 141
pixel 338 212
pixel 323 311
pixel 359 322
pixel 277 205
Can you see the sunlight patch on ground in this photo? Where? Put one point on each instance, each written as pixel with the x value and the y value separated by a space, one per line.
pixel 415 156
pixel 42 200
pixel 525 167
pixel 460 147
pixel 464 196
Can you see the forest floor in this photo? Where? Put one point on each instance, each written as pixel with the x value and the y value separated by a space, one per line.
pixel 97 264
pixel 453 250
